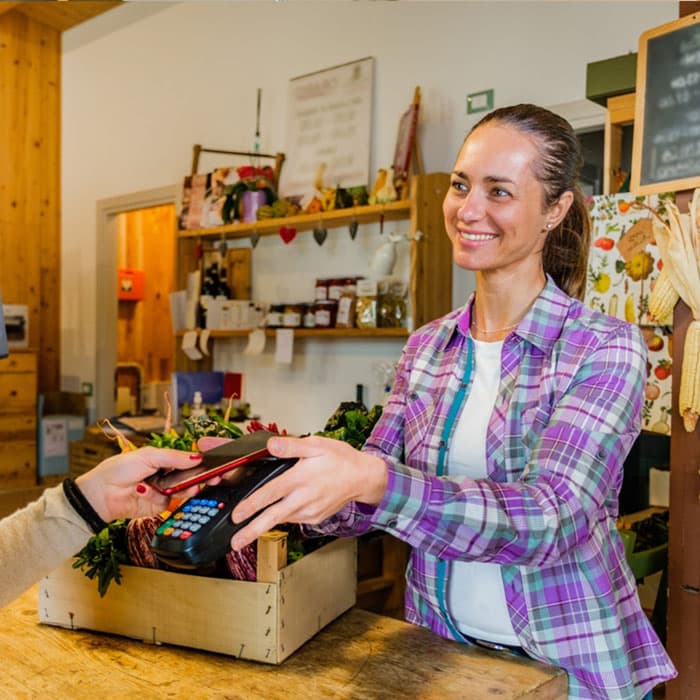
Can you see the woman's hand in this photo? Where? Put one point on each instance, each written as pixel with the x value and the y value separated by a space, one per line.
pixel 115 487
pixel 328 475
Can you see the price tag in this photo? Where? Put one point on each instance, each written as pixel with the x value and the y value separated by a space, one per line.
pixel 635 239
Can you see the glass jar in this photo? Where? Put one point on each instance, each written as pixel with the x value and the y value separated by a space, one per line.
pixel 292 316
pixel 325 313
pixel 275 315
pixel 350 285
pixel 335 288
pixel 308 316
pixel 321 289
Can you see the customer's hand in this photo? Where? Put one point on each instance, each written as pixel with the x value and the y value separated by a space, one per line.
pixel 115 488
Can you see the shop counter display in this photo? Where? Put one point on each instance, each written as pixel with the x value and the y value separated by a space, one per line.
pixel 359 655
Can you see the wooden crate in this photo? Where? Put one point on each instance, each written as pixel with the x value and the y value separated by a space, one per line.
pixel 261 621
pixel 86 454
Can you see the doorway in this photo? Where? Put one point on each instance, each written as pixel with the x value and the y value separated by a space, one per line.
pixel 135 232
pixel 146 269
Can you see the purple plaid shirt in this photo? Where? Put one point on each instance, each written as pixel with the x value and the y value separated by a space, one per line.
pixel 567 412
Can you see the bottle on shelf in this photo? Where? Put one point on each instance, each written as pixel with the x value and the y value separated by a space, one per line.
pixel 207 293
pixel 224 289
pixel 197 409
pixel 215 281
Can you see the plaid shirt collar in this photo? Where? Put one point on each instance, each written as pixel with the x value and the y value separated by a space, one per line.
pixel 541 326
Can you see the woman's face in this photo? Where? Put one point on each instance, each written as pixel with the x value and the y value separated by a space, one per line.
pixel 493 208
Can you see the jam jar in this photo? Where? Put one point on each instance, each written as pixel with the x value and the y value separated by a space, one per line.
pixel 325 313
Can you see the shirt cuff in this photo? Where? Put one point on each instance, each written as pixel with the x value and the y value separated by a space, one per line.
pixel 405 500
pixel 57 506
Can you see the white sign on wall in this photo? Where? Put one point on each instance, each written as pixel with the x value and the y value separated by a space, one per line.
pixel 329 124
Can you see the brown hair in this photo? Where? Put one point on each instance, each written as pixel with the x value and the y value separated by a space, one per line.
pixel 565 253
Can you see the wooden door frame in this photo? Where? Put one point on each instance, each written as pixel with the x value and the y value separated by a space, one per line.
pixel 106 284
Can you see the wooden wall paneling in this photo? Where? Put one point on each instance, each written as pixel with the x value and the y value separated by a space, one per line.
pixel 430 250
pixel 29 181
pixel 239 272
pixel 48 145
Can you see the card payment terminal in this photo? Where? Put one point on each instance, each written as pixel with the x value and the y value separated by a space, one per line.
pixel 199 531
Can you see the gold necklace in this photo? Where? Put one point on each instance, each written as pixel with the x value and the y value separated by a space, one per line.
pixel 505 328
pixel 498 330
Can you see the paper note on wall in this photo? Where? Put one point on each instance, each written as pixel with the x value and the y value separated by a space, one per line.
pixel 178 310
pixel 284 346
pixel 55 437
pixel 189 345
pixel 256 342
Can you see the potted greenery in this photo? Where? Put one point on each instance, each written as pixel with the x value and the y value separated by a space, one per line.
pixel 255 187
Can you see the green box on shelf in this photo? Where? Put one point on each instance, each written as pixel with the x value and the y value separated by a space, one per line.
pixel 611 77
pixel 646 562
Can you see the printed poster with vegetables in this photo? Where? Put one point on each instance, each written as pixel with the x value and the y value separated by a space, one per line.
pixel 623 265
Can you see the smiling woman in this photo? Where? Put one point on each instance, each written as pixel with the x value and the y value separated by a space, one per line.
pixel 499 453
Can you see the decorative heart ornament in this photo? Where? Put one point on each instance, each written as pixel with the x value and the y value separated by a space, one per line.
pixel 287 234
pixel 352 228
pixel 254 238
pixel 320 235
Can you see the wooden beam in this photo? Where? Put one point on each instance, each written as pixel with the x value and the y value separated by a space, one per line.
pixel 688 8
pixel 60 15
pixel 684 534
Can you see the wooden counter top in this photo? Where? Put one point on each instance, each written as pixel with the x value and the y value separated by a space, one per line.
pixel 360 655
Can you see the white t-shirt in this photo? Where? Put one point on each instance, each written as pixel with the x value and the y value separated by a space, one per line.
pixel 475 594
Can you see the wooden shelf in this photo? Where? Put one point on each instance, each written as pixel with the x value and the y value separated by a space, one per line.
pixel 375 584
pixel 318 333
pixel 392 211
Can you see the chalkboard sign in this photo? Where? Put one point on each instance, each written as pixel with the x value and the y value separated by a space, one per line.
pixel 666 148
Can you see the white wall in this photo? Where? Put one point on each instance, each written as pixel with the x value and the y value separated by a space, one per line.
pixel 144 82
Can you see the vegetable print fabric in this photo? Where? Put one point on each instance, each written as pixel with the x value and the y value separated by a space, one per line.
pixel 623 266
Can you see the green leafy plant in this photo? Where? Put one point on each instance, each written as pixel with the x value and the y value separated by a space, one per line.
pixel 211 425
pixel 104 554
pixel 351 422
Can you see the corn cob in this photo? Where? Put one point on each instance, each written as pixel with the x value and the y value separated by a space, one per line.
pixel 663 299
pixel 689 392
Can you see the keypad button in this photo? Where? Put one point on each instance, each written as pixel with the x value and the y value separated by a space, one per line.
pixel 185 535
pixel 195 526
pixel 168 531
